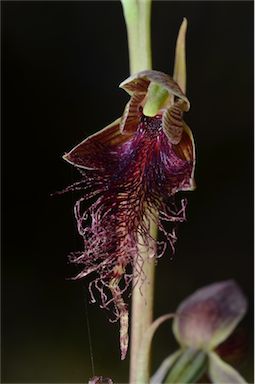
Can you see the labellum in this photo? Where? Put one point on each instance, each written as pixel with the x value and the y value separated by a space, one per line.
pixel 131 171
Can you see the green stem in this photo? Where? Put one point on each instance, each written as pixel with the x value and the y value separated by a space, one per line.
pixel 143 360
pixel 142 310
pixel 137 15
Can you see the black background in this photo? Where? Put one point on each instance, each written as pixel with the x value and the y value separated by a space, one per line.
pixel 61 66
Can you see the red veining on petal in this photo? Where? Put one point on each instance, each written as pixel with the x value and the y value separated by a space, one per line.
pixel 140 177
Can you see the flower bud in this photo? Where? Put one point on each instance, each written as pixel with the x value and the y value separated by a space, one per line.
pixel 208 317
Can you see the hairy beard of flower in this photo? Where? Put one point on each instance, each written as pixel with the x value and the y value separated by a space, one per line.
pixel 136 187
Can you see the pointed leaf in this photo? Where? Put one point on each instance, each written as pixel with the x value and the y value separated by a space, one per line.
pixel 221 372
pixel 180 57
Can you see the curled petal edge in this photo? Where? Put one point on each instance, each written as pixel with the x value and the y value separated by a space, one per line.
pixel 139 83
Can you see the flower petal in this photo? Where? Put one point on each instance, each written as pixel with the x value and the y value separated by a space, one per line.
pixel 221 372
pixel 130 118
pixel 90 153
pixel 208 317
pixel 173 122
pixel 140 81
pixel 185 149
pixel 135 84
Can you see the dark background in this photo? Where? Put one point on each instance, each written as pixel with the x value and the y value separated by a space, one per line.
pixel 61 66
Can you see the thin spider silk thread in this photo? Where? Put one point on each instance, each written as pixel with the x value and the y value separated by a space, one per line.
pixel 89 332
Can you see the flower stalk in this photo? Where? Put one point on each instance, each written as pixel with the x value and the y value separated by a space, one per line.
pixel 137 15
pixel 143 372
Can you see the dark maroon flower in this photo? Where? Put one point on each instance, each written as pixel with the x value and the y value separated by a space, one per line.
pixel 131 171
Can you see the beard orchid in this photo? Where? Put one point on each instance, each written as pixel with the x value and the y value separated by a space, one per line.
pixel 130 172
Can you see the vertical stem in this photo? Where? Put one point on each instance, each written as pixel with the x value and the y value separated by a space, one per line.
pixel 142 308
pixel 137 15
pixel 143 362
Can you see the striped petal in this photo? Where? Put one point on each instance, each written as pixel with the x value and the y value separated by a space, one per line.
pixel 140 82
pixel 131 116
pixel 173 122
pixel 90 153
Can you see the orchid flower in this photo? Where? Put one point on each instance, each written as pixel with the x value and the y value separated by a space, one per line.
pixel 201 323
pixel 131 171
